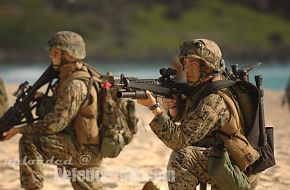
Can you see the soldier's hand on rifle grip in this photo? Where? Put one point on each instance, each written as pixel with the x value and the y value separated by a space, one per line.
pixel 150 101
pixel 170 104
pixel 38 95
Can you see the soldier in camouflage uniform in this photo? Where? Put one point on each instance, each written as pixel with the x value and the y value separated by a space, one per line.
pixel 202 63
pixel 54 137
pixel 286 95
pixel 3 98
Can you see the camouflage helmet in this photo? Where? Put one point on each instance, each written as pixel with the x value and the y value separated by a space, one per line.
pixel 203 49
pixel 70 42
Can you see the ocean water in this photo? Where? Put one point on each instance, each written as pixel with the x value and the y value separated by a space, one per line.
pixel 275 75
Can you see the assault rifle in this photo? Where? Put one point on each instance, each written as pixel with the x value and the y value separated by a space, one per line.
pixel 166 85
pixel 22 110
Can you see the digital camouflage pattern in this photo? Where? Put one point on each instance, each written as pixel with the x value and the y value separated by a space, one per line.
pixel 203 49
pixel 115 132
pixel 116 115
pixel 210 114
pixel 69 98
pixel 54 137
pixel 119 122
pixel 190 166
pixel 55 148
pixel 189 162
pixel 70 42
pixel 3 98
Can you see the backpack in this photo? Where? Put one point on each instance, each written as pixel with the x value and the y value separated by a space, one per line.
pixel 251 107
pixel 117 119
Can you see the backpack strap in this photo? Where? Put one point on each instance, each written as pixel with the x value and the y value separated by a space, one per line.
pixel 84 76
pixel 234 125
pixel 96 80
pixel 211 88
pixel 215 86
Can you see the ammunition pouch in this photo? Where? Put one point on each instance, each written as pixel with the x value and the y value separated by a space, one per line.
pixel 86 129
pixel 240 150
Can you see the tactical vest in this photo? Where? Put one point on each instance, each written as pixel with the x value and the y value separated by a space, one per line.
pixel 85 121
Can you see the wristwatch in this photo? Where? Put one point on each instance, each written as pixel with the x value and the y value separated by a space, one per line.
pixel 156 105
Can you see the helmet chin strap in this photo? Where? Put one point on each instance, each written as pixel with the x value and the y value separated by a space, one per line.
pixel 203 77
pixel 63 61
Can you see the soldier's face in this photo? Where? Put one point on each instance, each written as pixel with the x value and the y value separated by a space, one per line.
pixel 55 56
pixel 191 68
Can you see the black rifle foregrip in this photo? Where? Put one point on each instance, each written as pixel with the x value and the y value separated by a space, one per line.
pixel 137 94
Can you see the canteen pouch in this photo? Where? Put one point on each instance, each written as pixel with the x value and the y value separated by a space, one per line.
pixel 225 174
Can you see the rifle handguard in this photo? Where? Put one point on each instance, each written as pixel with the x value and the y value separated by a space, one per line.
pixel 137 94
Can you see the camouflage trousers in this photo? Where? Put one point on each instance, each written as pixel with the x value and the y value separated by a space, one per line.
pixel 60 150
pixel 190 168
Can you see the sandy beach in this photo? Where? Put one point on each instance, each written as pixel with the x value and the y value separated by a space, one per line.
pixel 146 157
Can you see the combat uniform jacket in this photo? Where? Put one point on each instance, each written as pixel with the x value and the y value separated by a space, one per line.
pixel 69 98
pixel 53 139
pixel 197 122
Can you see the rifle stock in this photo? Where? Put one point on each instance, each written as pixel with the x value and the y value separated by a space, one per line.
pixel 21 111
